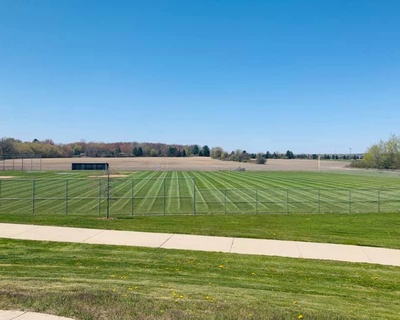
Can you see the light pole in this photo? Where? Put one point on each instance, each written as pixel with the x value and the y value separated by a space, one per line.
pixel 350 153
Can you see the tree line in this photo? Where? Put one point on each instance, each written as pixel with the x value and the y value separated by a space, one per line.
pixel 261 158
pixel 381 155
pixel 48 149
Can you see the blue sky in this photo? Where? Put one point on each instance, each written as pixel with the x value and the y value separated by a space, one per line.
pixel 277 75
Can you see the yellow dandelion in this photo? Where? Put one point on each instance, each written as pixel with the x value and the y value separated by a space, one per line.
pixel 300 316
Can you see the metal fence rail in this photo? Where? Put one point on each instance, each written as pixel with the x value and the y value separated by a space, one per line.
pixel 128 197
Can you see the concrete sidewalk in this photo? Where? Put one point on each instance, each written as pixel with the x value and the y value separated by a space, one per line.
pixel 292 249
pixel 22 315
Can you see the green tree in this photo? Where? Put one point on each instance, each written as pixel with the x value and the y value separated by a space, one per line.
pixel 117 151
pixel 77 150
pixel 260 159
pixel 289 154
pixel 172 152
pixel 188 151
pixel 153 153
pixel 382 155
pixel 206 151
pixel 244 156
pixel 8 146
pixel 216 153
pixel 195 150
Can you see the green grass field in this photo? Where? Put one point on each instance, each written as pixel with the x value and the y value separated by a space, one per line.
pixel 165 193
pixel 103 282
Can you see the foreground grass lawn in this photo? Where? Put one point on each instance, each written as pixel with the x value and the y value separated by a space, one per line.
pixel 368 229
pixel 103 282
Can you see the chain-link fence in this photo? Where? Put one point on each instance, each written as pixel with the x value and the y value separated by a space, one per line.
pixel 129 197
pixel 21 162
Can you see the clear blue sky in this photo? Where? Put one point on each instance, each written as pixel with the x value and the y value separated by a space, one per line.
pixel 308 76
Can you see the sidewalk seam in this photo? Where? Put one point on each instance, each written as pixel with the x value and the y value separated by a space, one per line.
pixel 161 245
pixel 369 259
pixel 20 315
pixel 233 241
pixel 298 248
pixel 100 232
pixel 30 230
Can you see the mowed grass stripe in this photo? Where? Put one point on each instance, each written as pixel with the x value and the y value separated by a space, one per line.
pixel 272 200
pixel 213 197
pixel 152 203
pixel 125 202
pixel 16 188
pixel 180 193
pixel 234 197
pixel 262 180
pixel 321 180
pixel 172 194
pixel 302 200
pixel 216 192
pixel 237 196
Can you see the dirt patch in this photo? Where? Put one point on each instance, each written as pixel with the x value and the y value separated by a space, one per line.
pixel 192 164
pixel 7 177
pixel 111 176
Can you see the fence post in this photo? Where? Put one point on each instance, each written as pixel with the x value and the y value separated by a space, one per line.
pixel 66 196
pixel 132 195
pixel 194 195
pixel 33 196
pixel 379 200
pixel 99 197
pixel 108 195
pixel 164 197
pixel 349 200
